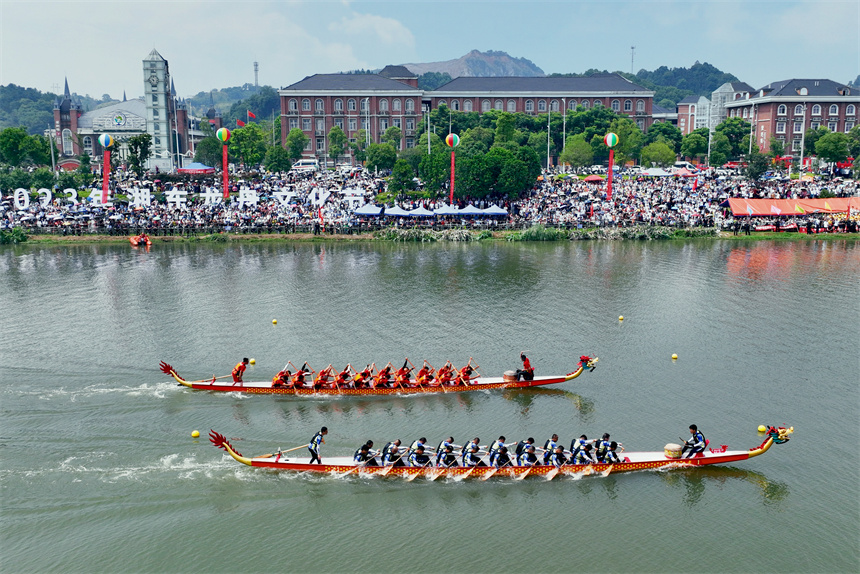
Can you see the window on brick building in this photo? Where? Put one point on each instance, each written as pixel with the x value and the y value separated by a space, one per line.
pixel 410 143
pixel 849 126
pixel 364 103
pixel 628 106
pixel 795 145
pixel 319 105
pixel 350 105
pixel 816 110
pixel 616 106
pixel 306 124
pixel 641 124
pixel 352 124
pixel 293 105
pixel 455 105
pixel 781 110
pixel 339 122
pixel 571 105
pixel 640 106
pixel 410 124
pixel 306 105
pixel 832 126
pixel 850 110
pixel 383 105
pixel 442 103
pixel 485 106
pixel 798 127
pixel 814 125
pixel 553 106
pixel 834 110
pixel 338 105
pixel 597 103
pixel 88 145
pixel 320 125
pixel 512 106
pixel 67 142
pixel 798 110
pixel 542 106
pixel 530 106
pixel 294 123
pixel 410 106
pixel 397 122
pixel 585 104
pixel 395 105
pixel 320 144
pixel 780 127
pixel 383 124
pixel 467 106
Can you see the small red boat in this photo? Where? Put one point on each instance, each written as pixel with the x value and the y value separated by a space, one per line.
pixel 140 240
pixel 668 459
pixel 508 381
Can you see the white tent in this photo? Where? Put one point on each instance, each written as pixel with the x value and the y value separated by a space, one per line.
pixel 656 172
pixel 395 211
pixel 496 210
pixel 368 209
pixel 446 210
pixel 470 210
pixel 421 212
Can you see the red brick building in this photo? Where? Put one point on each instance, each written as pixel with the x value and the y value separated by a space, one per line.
pixel 376 102
pixel 785 110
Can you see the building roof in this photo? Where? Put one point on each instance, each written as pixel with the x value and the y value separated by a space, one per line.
pixel 741 87
pixel 599 83
pixel 396 72
pixel 814 87
pixel 661 111
pixel 348 82
pixel 690 100
pixel 154 55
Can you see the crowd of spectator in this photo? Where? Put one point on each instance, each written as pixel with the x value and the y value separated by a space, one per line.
pixel 326 202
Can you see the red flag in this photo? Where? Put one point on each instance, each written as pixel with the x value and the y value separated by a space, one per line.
pixel 695 184
pixel 321 216
pixel 240 123
pixel 252 114
pixel 213 121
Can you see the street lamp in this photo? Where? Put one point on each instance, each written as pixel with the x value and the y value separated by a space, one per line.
pixel 548 117
pixel 563 124
pixel 367 121
pixel 802 140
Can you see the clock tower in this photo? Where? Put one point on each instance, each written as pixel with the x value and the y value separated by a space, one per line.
pixel 159 110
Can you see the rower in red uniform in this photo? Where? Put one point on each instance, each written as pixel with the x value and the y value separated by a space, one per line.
pixel 424 376
pixel 299 377
pixel 342 379
pixel 321 380
pixel 282 379
pixel 401 376
pixel 465 374
pixel 383 377
pixel 362 378
pixel 239 370
pixel 527 373
pixel 446 374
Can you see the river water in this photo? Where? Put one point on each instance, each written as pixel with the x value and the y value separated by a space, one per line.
pixel 99 472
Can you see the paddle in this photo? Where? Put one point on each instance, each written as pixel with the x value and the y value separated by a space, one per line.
pixel 491 473
pixel 390 466
pixel 552 474
pixel 357 467
pixel 282 451
pixel 523 475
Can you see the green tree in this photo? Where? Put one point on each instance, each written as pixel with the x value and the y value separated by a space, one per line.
pixel 735 129
pixel 659 153
pixel 435 142
pixel 337 143
pixel 392 136
pixel 777 148
pixel 296 143
pixel 811 137
pixel 413 156
pixel 832 147
pixel 694 145
pixel 208 152
pixel 401 177
pixel 537 142
pixel 277 159
pixel 630 139
pixel 13 146
pixel 381 156
pixel 359 146
pixel 854 142
pixel 248 143
pixel 577 152
pixel 666 132
pixel 505 128
pixel 435 169
pixel 139 150
pixel 721 150
pixel 757 164
pixel 43 177
pixel 473 177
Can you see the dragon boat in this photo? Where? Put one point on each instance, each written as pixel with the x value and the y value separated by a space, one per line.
pixel 508 381
pixel 668 459
pixel 140 240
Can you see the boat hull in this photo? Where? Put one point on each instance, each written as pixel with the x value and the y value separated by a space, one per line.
pixel 485 384
pixel 638 461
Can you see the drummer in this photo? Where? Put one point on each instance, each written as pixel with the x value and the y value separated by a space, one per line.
pixel 527 373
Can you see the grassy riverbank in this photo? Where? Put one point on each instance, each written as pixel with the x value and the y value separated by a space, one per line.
pixel 536 233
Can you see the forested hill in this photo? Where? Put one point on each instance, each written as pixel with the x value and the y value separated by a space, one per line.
pixel 29 108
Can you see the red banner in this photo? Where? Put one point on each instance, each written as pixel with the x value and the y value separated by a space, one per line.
pixel 609 177
pixel 224 174
pixel 106 177
pixel 451 202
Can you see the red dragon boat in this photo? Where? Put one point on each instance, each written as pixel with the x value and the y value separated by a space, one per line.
pixel 665 460
pixel 508 381
pixel 141 240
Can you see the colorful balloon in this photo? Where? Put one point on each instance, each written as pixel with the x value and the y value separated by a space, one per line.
pixel 223 134
pixel 106 140
pixel 610 139
pixel 453 140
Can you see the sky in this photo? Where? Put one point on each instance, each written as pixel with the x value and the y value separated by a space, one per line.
pixel 99 45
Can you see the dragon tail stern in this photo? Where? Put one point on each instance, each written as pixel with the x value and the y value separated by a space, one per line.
pixel 169 370
pixel 221 441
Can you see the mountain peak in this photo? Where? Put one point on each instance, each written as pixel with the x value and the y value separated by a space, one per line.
pixel 480 64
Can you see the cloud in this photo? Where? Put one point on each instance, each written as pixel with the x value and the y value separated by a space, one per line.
pixel 372 28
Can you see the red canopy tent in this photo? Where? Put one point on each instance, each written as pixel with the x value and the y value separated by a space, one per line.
pixel 592 178
pixel 770 207
pixel 684 172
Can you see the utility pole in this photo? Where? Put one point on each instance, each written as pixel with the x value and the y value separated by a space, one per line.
pixel 256 77
pixel 632 52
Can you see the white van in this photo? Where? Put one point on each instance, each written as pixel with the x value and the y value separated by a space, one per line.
pixel 305 165
pixel 685 165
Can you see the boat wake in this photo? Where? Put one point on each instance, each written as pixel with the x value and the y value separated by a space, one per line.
pixel 157 390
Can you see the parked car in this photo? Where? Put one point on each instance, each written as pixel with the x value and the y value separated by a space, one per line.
pixel 305 165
